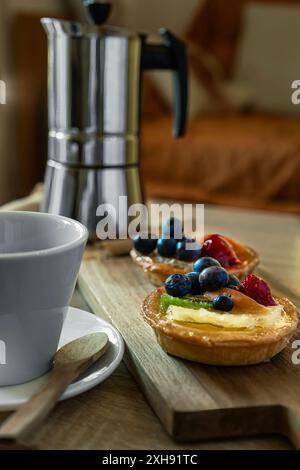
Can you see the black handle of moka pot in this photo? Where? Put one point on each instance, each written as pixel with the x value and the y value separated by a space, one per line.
pixel 97 10
pixel 171 56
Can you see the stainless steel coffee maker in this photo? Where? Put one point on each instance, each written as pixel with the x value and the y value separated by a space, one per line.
pixel 95 85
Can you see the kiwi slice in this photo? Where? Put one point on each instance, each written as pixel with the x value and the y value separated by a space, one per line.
pixel 188 302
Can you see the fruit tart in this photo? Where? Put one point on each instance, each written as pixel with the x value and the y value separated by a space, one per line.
pixel 161 257
pixel 212 318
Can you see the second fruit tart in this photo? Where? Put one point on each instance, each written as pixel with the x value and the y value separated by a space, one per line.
pixel 159 258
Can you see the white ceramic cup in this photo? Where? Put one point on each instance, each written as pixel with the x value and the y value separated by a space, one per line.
pixel 40 256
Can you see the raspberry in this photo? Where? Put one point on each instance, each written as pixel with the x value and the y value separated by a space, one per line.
pixel 257 289
pixel 219 248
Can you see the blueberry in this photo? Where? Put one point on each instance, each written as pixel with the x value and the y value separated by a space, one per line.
pixel 197 289
pixel 205 262
pixel 214 278
pixel 233 281
pixel 178 285
pixel 143 245
pixel 223 303
pixel 184 251
pixel 173 228
pixel 166 247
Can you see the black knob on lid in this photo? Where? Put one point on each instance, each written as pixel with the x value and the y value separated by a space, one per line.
pixel 97 10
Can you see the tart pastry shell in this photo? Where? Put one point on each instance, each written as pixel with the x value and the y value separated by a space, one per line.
pixel 218 346
pixel 158 271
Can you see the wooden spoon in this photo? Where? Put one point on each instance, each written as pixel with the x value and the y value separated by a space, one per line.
pixel 69 362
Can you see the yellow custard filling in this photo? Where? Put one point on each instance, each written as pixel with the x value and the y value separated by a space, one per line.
pixel 273 317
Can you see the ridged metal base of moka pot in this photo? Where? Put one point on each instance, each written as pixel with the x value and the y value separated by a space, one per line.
pixel 78 193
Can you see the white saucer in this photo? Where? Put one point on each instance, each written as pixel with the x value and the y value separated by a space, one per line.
pixel 78 323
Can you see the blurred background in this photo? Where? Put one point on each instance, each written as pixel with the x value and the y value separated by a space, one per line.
pixel 242 146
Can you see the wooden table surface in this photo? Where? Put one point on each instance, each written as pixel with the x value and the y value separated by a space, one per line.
pixel 123 419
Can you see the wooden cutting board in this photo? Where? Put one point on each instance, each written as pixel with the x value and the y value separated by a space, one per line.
pixel 192 401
